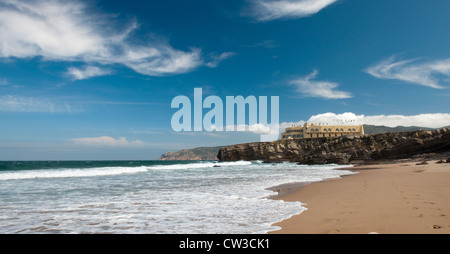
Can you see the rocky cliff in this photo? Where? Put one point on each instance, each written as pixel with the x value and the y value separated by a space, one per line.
pixel 343 150
pixel 200 153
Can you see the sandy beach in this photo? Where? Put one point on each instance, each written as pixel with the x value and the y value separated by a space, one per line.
pixel 397 198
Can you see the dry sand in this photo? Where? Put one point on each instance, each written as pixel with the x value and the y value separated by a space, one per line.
pixel 399 198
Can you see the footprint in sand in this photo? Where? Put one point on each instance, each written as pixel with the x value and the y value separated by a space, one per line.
pixel 418 197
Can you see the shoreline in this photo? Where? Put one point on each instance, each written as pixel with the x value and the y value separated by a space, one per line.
pixel 391 197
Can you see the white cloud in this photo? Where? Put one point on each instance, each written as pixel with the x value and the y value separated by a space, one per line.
pixel 259 129
pixel 52 29
pixel 266 10
pixel 254 128
pixel 216 59
pixel 284 125
pixel 432 120
pixel 411 71
pixel 321 89
pixel 66 31
pixel 161 61
pixel 106 141
pixel 86 72
pixel 12 103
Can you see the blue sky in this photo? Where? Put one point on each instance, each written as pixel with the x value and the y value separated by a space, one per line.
pixel 95 79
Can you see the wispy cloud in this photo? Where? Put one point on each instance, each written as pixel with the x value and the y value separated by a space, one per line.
pixel 413 71
pixel 106 141
pixel 68 31
pixel 13 103
pixel 267 10
pixel 309 87
pixel 269 44
pixel 86 72
pixel 216 59
pixel 52 29
pixel 431 120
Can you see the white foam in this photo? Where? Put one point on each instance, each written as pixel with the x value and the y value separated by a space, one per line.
pixel 231 198
pixel 199 165
pixel 64 173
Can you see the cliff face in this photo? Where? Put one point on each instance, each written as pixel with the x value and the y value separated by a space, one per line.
pixel 200 153
pixel 342 150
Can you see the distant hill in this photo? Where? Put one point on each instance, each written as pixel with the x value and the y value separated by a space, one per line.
pixel 210 153
pixel 199 153
pixel 374 129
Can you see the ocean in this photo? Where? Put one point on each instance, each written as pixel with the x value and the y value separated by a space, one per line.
pixel 149 197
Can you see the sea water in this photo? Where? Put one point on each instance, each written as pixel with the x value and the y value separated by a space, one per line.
pixel 159 197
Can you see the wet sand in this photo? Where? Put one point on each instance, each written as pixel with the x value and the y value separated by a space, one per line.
pixel 398 198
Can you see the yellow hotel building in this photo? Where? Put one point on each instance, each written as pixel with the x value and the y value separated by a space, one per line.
pixel 308 131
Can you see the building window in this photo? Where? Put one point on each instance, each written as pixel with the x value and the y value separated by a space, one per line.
pixel 317 130
pixel 337 129
pixel 349 130
pixel 354 130
pixel 329 130
pixel 342 130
